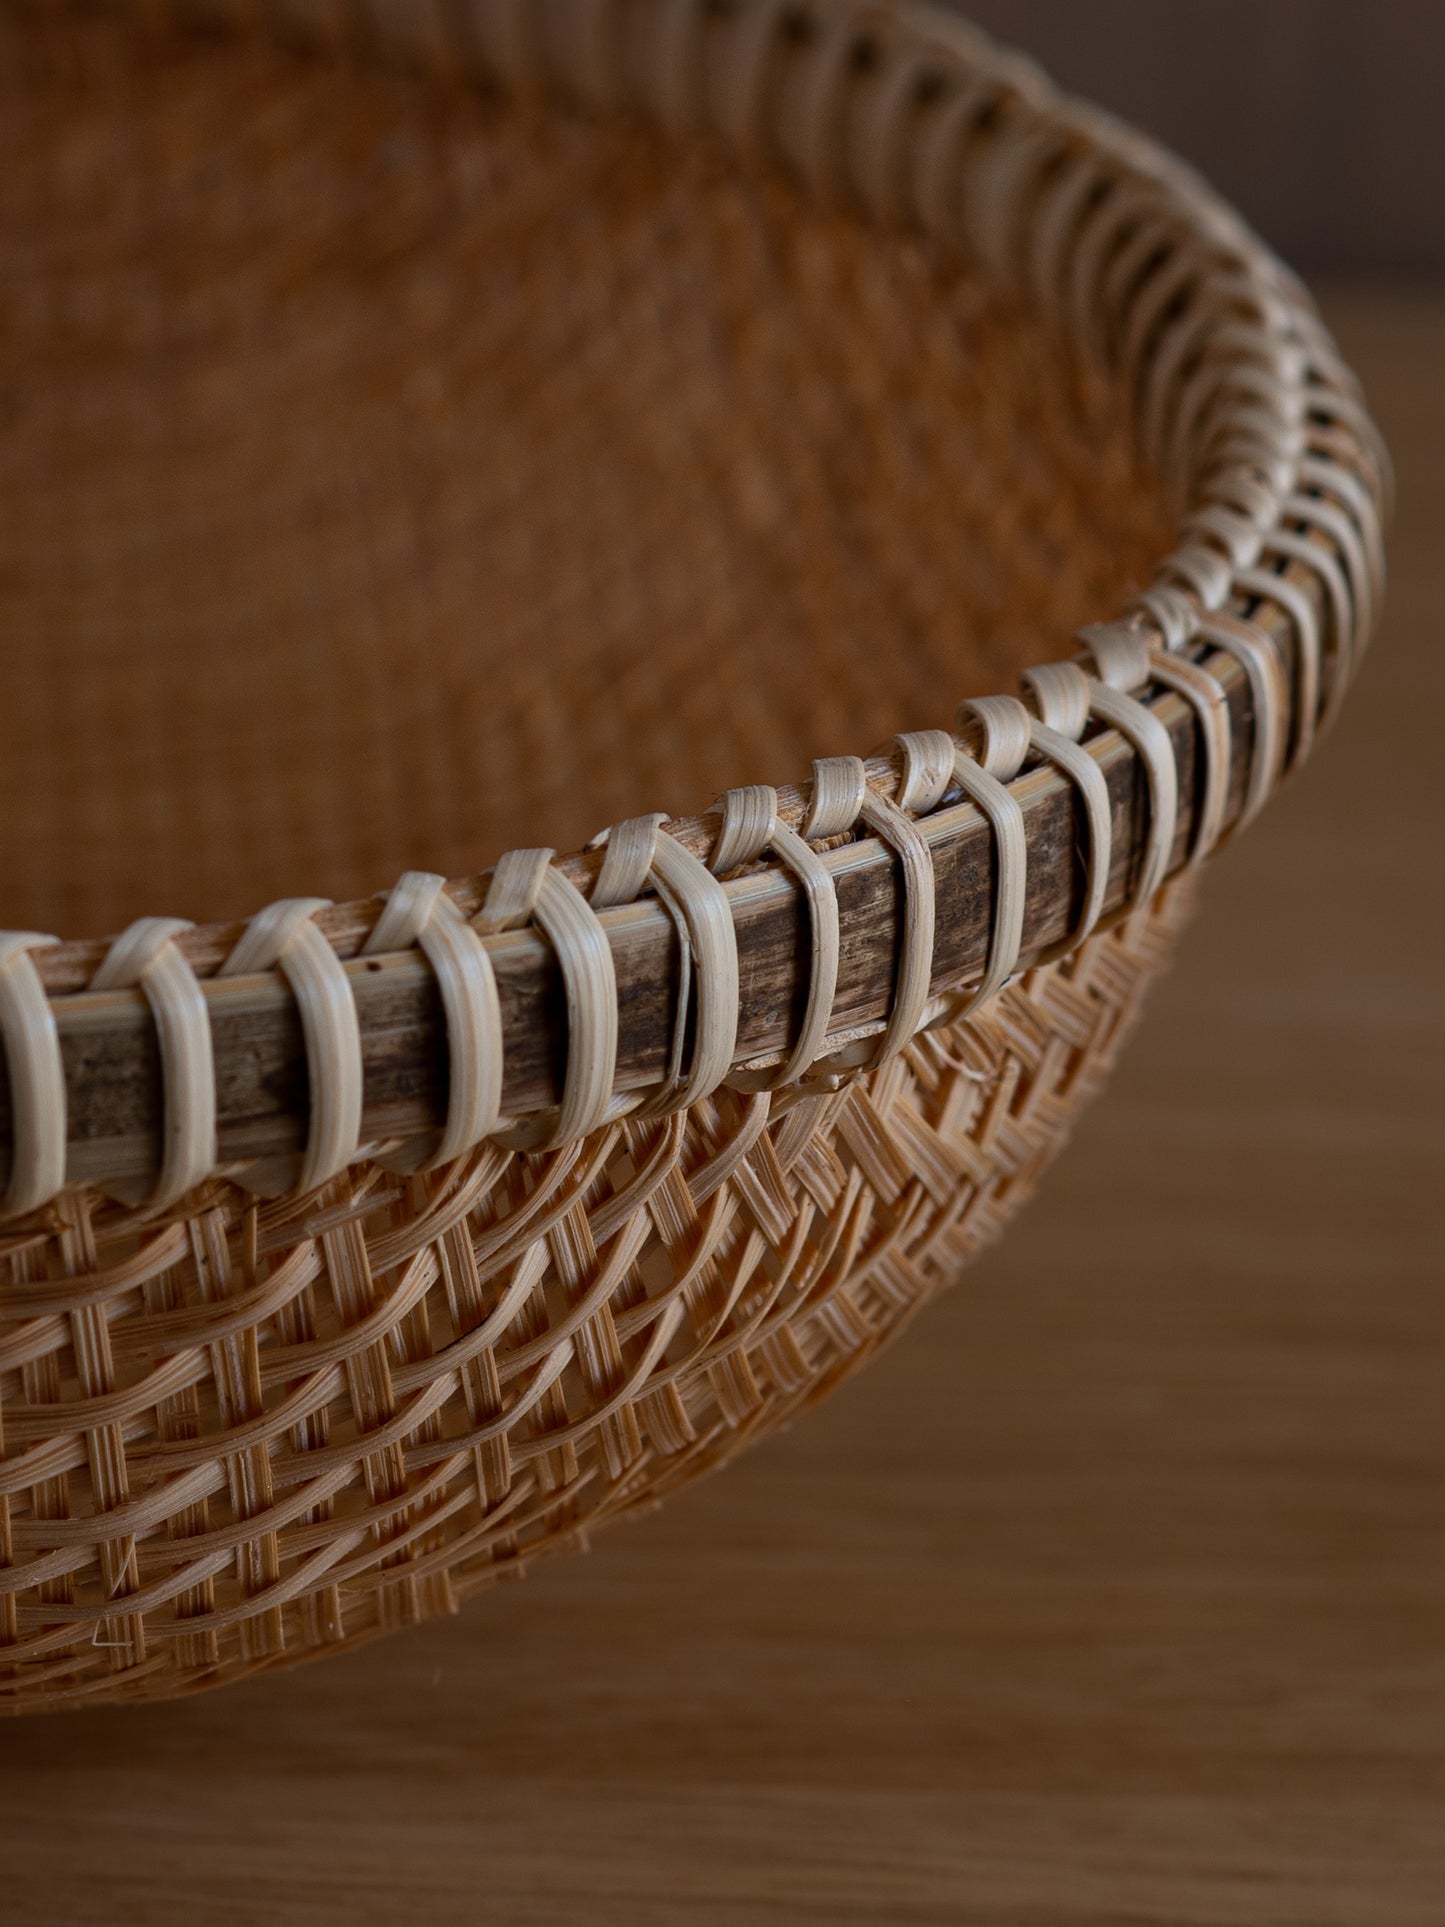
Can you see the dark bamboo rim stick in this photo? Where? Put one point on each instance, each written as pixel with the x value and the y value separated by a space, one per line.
pixel 111 1056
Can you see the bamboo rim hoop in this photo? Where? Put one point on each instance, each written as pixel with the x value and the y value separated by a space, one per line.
pixel 911 120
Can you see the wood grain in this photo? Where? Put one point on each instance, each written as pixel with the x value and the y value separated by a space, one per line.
pixel 1116 1593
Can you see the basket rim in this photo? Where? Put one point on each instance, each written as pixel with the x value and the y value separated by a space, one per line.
pixel 1164 732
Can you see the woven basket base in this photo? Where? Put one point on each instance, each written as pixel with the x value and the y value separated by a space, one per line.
pixel 389 479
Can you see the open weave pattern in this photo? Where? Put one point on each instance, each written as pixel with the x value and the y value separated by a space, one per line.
pixel 289 1427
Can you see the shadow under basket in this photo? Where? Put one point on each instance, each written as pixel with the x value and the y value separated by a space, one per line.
pixel 434 431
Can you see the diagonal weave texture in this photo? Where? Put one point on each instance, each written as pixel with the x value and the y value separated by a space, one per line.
pixel 302 1424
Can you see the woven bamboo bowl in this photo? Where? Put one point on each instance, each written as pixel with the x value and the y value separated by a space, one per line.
pixel 438 430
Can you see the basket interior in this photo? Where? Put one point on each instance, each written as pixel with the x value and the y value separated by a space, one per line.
pixel 389 478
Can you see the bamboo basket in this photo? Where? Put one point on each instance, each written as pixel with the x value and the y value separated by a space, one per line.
pixel 439 429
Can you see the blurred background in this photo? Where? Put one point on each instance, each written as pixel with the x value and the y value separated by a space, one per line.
pixel 1329 135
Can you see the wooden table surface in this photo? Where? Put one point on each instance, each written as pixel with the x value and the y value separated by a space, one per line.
pixel 1114 1593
